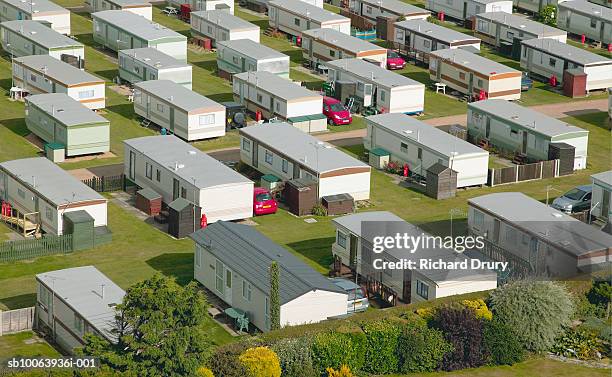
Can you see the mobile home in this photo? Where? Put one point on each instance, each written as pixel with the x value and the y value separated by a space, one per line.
pixel 466 9
pixel 233 261
pixel 276 97
pixel 73 302
pixel 420 37
pixel 547 57
pixel 353 246
pixel 142 64
pixel 473 75
pixel 323 45
pixel 585 18
pixel 498 28
pixel 601 199
pixel 394 9
pixel 185 113
pixel 222 26
pixel 120 30
pixel 541 239
pixel 388 91
pixel 44 11
pixel 535 6
pixel 517 129
pixel 24 38
pixel 205 5
pixel 295 16
pixel 37 185
pixel 420 146
pixel 288 153
pixel 139 7
pixel 43 74
pixel 243 55
pixel 58 118
pixel 174 169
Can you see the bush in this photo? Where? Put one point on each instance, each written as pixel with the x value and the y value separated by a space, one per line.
pixel 537 311
pixel 421 349
pixel 479 307
pixel 260 362
pixel 464 332
pixel 381 346
pixel 295 357
pixel 600 295
pixel 427 313
pixel 580 344
pixel 394 167
pixel 204 372
pixel 344 371
pixel 599 327
pixel 319 210
pixel 334 349
pixel 502 344
pixel 224 361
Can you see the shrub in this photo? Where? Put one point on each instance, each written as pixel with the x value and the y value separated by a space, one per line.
pixel 463 331
pixel 204 372
pixel 381 346
pixel 420 348
pixel 319 210
pixel 479 307
pixel 600 295
pixel 334 349
pixel 580 344
pixel 427 313
pixel 537 311
pixel 224 361
pixel 260 362
pixel 394 167
pixel 295 357
pixel 344 371
pixel 599 327
pixel 502 344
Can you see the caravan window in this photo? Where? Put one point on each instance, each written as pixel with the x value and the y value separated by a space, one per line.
pixel 552 62
pixel 332 53
pixel 404 147
pixel 86 94
pixel 246 290
pixel 383 95
pixel 246 145
pixel 235 59
pixel 49 213
pixel 207 119
pixel 183 193
pixel 422 289
pixel 341 240
pixel 369 9
pixel 285 166
pixel 149 170
pixel 483 26
pixel 593 23
pixel 478 219
pixel 160 107
pixel 510 35
pixel 158 175
pixel 269 157
pixel 426 43
pixel 78 323
pixel 296 21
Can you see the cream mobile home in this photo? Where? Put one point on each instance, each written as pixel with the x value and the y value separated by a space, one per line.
pixel 375 86
pixel 139 7
pixel 585 18
pixel 466 9
pixel 394 9
pixel 142 64
pixel 323 45
pixel 497 28
pixel 185 113
pixel 295 16
pixel 244 55
pixel 44 11
pixel 222 26
pixel 43 74
pixel 288 153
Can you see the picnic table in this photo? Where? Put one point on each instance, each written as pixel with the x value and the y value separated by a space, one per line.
pixel 170 11
pixel 240 318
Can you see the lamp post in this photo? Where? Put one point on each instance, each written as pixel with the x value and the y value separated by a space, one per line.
pixel 548 188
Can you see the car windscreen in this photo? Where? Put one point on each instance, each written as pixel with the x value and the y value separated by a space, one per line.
pixel 355 294
pixel 336 107
pixel 574 194
pixel 392 54
pixel 263 197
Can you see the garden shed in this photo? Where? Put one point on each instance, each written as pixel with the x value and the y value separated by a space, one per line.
pixel 81 225
pixel 244 55
pixel 218 26
pixel 379 158
pixel 44 11
pixel 183 218
pixel 147 63
pixel 148 201
pixel 339 204
pixel 566 154
pixel 295 16
pixel 300 195
pixel 441 182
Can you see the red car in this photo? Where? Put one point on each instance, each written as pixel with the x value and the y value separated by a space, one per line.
pixel 394 61
pixel 337 114
pixel 263 203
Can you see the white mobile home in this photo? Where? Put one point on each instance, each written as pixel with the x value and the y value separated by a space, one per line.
pixel 77 301
pixel 547 57
pixel 222 26
pixel 44 74
pixel 233 261
pixel 394 9
pixel 44 11
pixel 535 6
pixel 58 118
pixel 420 146
pixel 24 38
pixel 582 17
pixel 601 199
pixel 139 7
pixel 288 153
pixel 496 28
pixel 185 113
pixel 243 55
pixel 276 97
pixel 323 45
pixel 120 30
pixel 174 169
pixel 295 16
pixel 388 91
pixel 466 9
pixel 353 247
pixel 472 74
pixel 546 241
pixel 421 37
pixel 37 185
pixel 142 64
pixel 204 5
pixel 517 129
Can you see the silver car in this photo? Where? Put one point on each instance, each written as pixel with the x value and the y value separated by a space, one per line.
pixel 357 300
pixel 576 200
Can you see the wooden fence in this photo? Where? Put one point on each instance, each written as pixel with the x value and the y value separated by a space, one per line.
pixel 106 184
pixel 11 251
pixel 521 173
pixel 14 321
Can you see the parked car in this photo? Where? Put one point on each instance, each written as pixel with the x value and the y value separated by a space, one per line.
pixel 576 200
pixel 357 300
pixel 337 114
pixel 526 82
pixel 263 202
pixel 394 60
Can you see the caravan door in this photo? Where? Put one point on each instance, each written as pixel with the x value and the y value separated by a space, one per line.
pixel 367 95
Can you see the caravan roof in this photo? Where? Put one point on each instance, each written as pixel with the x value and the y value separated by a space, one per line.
pixel 434 31
pixel 41 34
pixel 225 19
pixel 40 6
pixel 522 23
pixel 276 85
pixel 136 25
pixel 154 58
pixel 65 109
pixel 178 95
pixel 588 8
pixel 252 49
pixel 372 73
pixel 397 7
pixel 566 51
pixel 474 62
pixel 342 40
pixel 58 70
pixel 306 10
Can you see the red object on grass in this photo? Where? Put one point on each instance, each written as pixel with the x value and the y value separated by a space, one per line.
pixel 582 38
pixel 441 16
pixel 610 47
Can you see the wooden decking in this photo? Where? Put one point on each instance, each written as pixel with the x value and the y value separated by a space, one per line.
pixel 24 222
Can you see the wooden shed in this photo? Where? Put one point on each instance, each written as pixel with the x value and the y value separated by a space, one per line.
pixel 183 219
pixel 148 201
pixel 574 83
pixel 81 225
pixel 339 204
pixel 301 195
pixel 565 153
pixel 441 182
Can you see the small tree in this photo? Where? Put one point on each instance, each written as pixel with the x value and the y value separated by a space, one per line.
pixel 502 344
pixel 260 362
pixel 548 15
pixel 274 296
pixel 421 349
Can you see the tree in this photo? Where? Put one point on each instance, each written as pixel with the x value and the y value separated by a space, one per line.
pixel 159 330
pixel 274 296
pixel 260 362
pixel 537 311
pixel 548 15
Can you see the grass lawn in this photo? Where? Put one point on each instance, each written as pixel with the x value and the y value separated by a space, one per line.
pixel 25 344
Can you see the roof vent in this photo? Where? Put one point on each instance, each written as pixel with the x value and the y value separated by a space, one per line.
pixel 192 153
pixel 60 110
pixel 557 215
pixel 145 59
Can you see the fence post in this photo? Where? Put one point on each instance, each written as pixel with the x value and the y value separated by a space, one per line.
pixel 541 169
pixel 516 171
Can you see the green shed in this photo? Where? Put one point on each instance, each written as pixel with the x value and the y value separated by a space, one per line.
pixel 379 157
pixel 55 152
pixel 81 225
pixel 183 219
pixel 270 181
pixel 309 123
